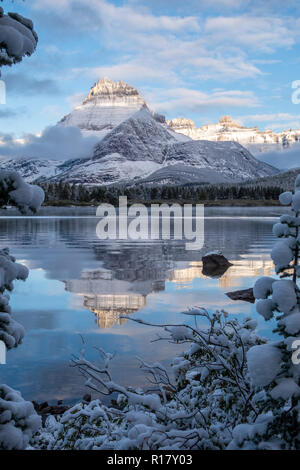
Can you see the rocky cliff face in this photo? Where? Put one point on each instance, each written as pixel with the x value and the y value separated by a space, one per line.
pixel 137 145
pixel 228 130
pixel 107 105
pixel 141 147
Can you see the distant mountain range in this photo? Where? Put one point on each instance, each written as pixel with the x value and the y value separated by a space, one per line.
pixel 137 145
pixel 226 129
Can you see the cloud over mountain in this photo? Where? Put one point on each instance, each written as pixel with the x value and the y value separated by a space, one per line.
pixel 56 142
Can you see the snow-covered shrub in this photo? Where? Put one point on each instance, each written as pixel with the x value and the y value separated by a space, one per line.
pixel 11 332
pixel 17 38
pixel 14 190
pixel 271 367
pixel 18 420
pixel 210 396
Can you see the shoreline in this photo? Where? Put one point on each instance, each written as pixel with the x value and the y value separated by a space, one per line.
pixel 216 203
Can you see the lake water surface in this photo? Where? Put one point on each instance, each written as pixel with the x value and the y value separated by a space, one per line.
pixel 79 286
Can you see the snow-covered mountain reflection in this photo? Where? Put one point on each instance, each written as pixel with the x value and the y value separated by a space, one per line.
pixel 81 286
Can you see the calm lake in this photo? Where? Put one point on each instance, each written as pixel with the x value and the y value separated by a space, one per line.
pixel 79 286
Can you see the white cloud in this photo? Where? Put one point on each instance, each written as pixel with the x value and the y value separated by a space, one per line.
pixel 57 143
pixel 274 121
pixel 130 18
pixel 155 47
pixel 76 99
pixel 265 34
pixel 272 116
pixel 132 71
pixel 283 159
pixel 178 51
pixel 194 100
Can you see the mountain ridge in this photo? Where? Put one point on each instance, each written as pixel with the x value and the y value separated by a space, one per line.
pixel 228 130
pixel 135 143
pixel 140 146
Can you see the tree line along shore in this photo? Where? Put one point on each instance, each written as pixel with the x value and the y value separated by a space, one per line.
pixel 64 194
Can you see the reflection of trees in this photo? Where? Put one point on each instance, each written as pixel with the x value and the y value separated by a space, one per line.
pixel 65 247
pixel 68 248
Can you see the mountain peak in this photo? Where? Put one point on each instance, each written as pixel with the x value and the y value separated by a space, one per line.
pixel 226 120
pixel 107 105
pixel 107 89
pixel 181 123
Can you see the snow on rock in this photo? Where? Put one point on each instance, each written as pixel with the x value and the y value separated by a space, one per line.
pixel 226 129
pixel 17 38
pixel 141 138
pixel 18 420
pixel 137 146
pixel 264 363
pixel 216 252
pixel 107 105
pixel 30 169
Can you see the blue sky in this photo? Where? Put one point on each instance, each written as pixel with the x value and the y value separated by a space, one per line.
pixel 190 59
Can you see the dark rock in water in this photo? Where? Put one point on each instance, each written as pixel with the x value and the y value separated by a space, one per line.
pixel 245 294
pixel 87 398
pixel 215 264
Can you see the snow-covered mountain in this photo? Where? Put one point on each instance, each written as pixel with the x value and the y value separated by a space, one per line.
pixel 227 130
pixel 30 169
pixel 135 144
pixel 107 105
pixel 141 147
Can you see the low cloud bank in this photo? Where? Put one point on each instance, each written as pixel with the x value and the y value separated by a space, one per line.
pixel 55 143
pixel 283 159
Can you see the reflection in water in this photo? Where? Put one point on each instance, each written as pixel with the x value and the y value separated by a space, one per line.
pixel 107 297
pixel 233 277
pixel 111 298
pixel 75 276
pixel 109 308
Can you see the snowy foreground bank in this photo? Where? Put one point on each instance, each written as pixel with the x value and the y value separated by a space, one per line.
pixel 232 389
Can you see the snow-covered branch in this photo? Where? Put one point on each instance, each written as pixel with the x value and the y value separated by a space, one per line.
pixel 17 38
pixel 18 419
pixel 15 191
